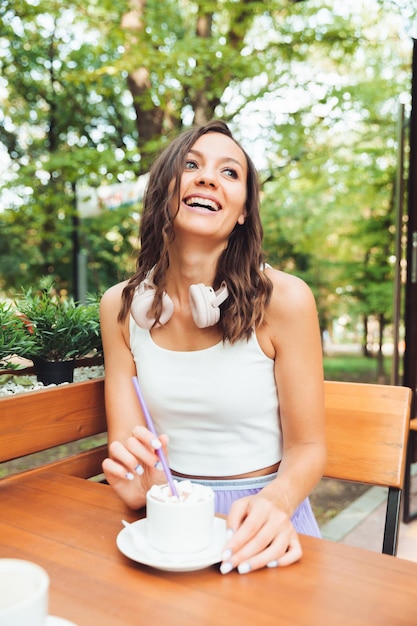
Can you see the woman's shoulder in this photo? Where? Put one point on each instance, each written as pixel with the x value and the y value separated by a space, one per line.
pixel 289 291
pixel 112 296
pixel 284 280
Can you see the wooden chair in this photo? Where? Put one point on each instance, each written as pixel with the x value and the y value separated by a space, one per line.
pixel 37 421
pixel 367 429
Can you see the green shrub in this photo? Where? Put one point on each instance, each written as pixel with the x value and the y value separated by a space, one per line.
pixel 57 327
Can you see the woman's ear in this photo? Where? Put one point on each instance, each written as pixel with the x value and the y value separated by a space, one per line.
pixel 241 219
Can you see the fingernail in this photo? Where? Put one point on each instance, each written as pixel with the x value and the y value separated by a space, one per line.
pixel 158 465
pixel 156 444
pixel 225 568
pixel 139 469
pixel 229 534
pixel 129 476
pixel 226 555
pixel 273 563
pixel 243 568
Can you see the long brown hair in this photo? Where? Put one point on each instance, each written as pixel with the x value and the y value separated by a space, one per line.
pixel 240 265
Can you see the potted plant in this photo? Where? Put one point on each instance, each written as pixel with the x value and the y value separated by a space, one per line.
pixel 60 330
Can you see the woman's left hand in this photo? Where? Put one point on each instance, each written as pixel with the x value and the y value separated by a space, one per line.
pixel 259 534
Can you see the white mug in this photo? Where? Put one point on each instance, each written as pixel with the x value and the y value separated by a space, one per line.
pixel 24 588
pixel 180 525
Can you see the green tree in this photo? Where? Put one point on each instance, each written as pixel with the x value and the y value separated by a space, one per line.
pixel 329 213
pixel 64 121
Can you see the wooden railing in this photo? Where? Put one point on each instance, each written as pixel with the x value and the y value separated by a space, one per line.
pixel 40 421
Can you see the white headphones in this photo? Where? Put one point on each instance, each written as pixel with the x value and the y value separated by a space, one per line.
pixel 204 301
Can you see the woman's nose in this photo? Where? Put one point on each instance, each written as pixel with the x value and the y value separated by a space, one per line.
pixel 207 178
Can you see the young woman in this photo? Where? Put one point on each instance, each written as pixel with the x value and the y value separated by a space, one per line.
pixel 227 352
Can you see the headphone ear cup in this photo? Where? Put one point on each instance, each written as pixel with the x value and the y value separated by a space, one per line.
pixel 204 307
pixel 142 304
pixel 167 309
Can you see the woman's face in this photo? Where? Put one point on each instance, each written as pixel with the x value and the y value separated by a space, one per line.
pixel 212 193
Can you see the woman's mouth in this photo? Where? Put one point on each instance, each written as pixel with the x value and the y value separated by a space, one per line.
pixel 202 203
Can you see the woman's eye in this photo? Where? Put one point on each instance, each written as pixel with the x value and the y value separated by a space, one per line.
pixel 229 171
pixel 190 165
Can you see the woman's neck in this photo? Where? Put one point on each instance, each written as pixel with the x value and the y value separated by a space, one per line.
pixel 189 267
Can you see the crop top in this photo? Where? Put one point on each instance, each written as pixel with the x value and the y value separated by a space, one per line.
pixel 218 406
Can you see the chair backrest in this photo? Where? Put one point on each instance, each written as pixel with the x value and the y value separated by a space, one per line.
pixel 367 430
pixel 40 420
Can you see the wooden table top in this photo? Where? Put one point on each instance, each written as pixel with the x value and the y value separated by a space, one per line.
pixel 69 526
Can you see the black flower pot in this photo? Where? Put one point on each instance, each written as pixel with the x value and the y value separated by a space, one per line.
pixel 54 372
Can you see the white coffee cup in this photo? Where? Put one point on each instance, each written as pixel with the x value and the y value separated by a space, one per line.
pixel 180 525
pixel 24 588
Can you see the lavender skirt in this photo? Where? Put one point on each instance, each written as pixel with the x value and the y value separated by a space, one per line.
pixel 227 491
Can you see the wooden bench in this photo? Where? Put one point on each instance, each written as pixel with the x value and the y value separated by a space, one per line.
pixel 41 420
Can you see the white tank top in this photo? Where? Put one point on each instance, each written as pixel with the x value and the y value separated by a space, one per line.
pixel 219 406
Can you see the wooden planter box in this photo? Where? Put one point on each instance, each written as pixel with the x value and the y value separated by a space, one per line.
pixel 40 420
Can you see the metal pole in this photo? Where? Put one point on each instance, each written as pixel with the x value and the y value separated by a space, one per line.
pixel 82 276
pixel 399 195
pixel 410 355
pixel 75 246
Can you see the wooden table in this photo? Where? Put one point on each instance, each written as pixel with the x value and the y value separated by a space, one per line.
pixel 69 526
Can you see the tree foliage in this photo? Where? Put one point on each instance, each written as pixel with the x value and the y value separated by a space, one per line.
pixel 91 91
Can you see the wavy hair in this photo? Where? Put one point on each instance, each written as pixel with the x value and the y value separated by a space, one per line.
pixel 240 265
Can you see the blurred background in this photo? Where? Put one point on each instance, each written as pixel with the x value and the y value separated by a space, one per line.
pixel 319 92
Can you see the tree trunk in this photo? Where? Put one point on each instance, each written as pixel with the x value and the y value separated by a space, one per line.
pixel 153 120
pixel 365 350
pixel 380 373
pixel 149 116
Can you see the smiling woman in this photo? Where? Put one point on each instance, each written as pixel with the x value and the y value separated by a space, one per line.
pixel 219 341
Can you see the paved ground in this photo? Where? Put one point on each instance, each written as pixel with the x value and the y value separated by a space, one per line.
pixel 362 523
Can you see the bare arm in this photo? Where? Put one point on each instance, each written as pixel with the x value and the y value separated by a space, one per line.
pixel 263 532
pixel 299 378
pixel 130 468
pixel 122 410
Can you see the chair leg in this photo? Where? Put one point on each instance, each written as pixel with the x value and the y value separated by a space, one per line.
pixel 392 522
pixel 408 516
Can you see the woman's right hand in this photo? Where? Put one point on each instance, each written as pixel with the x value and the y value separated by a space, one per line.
pixel 132 468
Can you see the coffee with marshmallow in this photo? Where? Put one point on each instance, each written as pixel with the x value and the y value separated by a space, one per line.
pixel 183 523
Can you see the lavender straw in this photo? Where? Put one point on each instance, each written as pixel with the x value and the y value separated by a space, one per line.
pixel 150 425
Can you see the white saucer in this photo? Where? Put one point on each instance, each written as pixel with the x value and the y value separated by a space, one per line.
pixel 52 620
pixel 136 547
